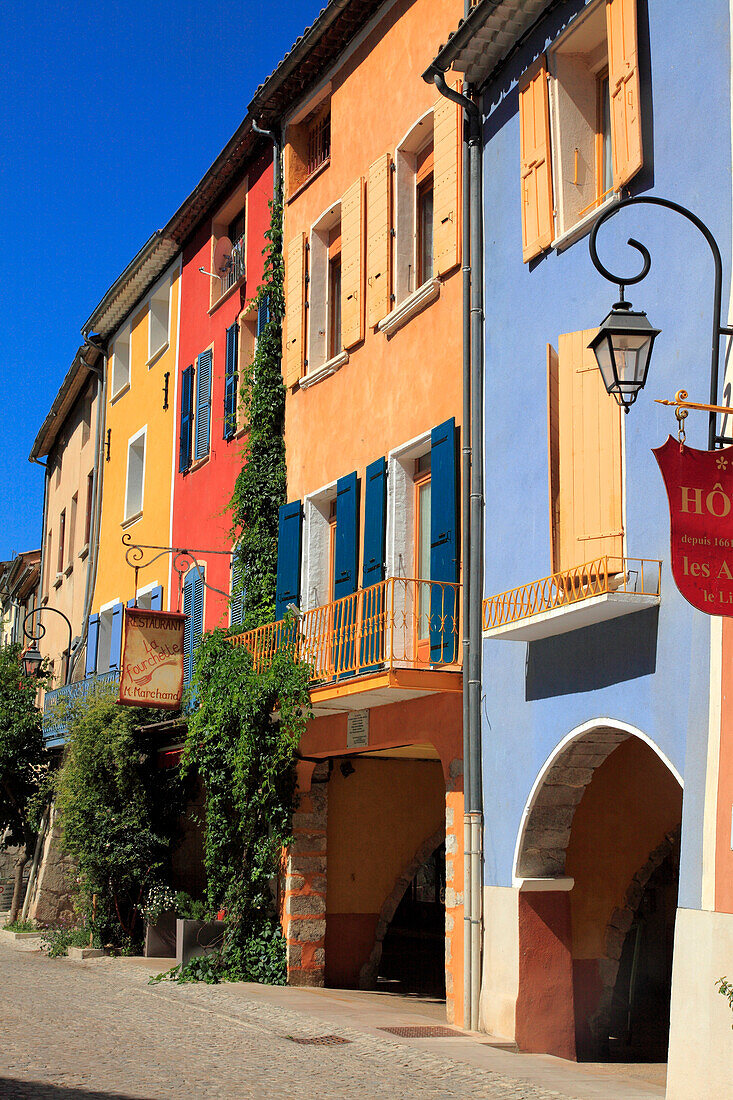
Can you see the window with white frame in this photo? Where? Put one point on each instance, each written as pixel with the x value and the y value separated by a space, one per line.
pixel 319 527
pixel 121 362
pixel 104 639
pixel 413 255
pixel 230 222
pixel 158 335
pixel 135 475
pixel 324 288
pixel 408 494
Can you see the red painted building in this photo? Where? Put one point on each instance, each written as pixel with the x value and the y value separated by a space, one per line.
pixel 222 268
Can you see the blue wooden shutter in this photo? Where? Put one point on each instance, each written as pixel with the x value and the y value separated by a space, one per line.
pixel 236 605
pixel 197 619
pixel 203 405
pixel 230 382
pixel 263 315
pixel 92 637
pixel 156 598
pixel 373 568
pixel 345 572
pixel 115 642
pixel 290 534
pixel 187 633
pixel 184 452
pixel 443 542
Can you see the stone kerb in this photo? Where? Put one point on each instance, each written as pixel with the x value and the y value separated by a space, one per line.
pixel 305 885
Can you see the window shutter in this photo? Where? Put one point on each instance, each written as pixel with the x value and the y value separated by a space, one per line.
pixel 230 382
pixel 90 666
pixel 236 603
pixel 447 137
pixel 536 167
pixel 443 542
pixel 352 265
pixel 553 451
pixel 187 634
pixel 289 539
pixel 623 86
pixel 589 500
pixel 379 250
pixel 156 598
pixel 197 618
pixel 294 352
pixel 263 315
pixel 184 454
pixel 131 603
pixel 347 525
pixel 115 644
pixel 375 518
pixel 203 404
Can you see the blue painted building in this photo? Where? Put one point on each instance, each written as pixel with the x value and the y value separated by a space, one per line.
pixel 601 686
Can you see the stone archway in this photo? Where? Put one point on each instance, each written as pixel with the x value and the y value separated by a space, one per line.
pixel 370 969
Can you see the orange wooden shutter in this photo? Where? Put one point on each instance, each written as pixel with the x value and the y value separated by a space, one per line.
pixel 294 351
pixel 352 265
pixel 536 167
pixel 589 500
pixel 379 251
pixel 447 125
pixel 623 87
pixel 553 451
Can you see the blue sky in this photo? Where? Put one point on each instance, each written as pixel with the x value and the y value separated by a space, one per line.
pixel 109 115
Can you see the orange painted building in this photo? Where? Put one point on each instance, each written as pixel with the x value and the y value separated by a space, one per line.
pixel 369 553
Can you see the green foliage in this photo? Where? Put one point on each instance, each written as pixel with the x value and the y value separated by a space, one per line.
pixel 20 926
pixel 725 988
pixel 241 742
pixel 260 486
pixel 24 763
pixel 118 810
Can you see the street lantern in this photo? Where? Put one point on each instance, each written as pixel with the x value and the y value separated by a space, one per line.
pixel 623 348
pixel 32 660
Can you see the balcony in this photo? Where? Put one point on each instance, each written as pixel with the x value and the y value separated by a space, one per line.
pixel 235 270
pixel 591 593
pixel 55 727
pixel 394 641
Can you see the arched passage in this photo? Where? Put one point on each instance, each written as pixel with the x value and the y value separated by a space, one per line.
pixel 603 815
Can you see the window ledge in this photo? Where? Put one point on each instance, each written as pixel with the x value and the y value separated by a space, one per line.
pixel 198 463
pixel 84 551
pixel 58 579
pixel 414 304
pixel 580 228
pixel 120 393
pixel 226 295
pixel 132 519
pixel 327 368
pixel 68 569
pixel 157 354
pixel 307 182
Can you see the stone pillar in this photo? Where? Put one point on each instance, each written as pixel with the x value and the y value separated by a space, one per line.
pixel 305 879
pixel 454 925
pixel 52 901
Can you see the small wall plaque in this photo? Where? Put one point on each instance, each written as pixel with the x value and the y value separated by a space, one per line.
pixel 357 729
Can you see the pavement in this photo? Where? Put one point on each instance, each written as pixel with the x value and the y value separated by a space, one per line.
pixel 96 1030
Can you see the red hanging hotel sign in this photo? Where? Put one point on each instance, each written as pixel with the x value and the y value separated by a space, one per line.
pixel 700 491
pixel 152 659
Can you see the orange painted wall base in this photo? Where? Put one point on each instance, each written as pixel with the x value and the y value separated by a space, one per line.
pixel 545 1014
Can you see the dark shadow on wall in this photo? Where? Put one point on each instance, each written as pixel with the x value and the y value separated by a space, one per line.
pixel 593 657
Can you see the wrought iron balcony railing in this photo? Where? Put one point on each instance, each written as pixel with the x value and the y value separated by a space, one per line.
pixel 398 623
pixel 235 271
pixel 54 725
pixel 604 576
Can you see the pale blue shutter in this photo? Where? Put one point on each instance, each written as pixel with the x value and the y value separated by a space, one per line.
pixel 187 632
pixel 156 598
pixel 92 637
pixel 203 405
pixel 197 618
pixel 115 645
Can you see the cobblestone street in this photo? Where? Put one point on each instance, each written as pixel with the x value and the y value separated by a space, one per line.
pixel 81 1031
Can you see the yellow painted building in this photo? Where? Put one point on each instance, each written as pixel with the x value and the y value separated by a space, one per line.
pixel 137 468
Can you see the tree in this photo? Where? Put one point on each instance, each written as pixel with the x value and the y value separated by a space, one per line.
pixel 23 764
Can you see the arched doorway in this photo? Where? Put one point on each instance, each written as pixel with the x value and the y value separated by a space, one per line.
pixel 598 841
pixel 413 949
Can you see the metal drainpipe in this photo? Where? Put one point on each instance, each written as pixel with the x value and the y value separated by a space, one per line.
pixel 473 786
pixel 276 159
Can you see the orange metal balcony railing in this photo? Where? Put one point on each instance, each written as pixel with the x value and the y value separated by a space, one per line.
pixel 637 576
pixel 398 623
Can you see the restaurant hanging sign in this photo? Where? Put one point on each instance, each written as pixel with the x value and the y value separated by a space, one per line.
pixel 700 492
pixel 151 673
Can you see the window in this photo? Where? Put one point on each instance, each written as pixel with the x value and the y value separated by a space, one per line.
pixel 319 140
pixel 62 537
pixel 135 475
pixel 202 416
pixel 324 290
pixel 90 508
pixel 230 222
pixel 158 336
pixel 121 363
pixel 308 143
pixel 424 244
pixel 333 333
pixel 331 548
pixel 586 486
pixel 231 380
pixel 580 124
pixel 104 641
pixel 72 530
pixel 422 543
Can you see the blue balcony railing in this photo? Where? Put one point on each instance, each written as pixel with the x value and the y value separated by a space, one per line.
pixel 55 728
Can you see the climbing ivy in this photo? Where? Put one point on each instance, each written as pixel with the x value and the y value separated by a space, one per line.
pixel 260 486
pixel 241 742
